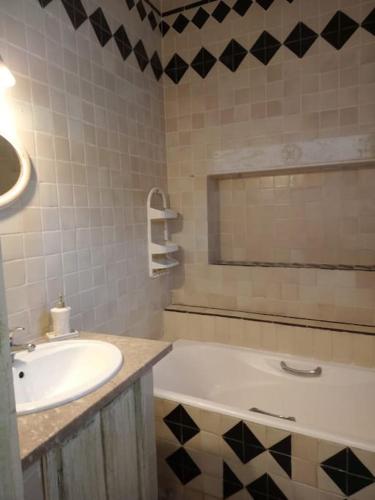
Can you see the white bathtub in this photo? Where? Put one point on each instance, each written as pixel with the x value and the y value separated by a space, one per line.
pixel 338 406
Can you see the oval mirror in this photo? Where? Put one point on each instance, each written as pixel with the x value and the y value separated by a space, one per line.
pixel 15 172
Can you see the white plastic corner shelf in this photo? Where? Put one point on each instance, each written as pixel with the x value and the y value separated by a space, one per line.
pixel 160 260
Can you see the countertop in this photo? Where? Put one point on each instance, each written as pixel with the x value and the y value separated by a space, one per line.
pixel 39 432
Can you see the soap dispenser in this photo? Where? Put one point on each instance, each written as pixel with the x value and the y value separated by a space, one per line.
pixel 61 321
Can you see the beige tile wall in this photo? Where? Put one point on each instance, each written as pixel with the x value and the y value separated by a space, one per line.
pixel 324 345
pixel 93 126
pixel 294 112
pixel 323 217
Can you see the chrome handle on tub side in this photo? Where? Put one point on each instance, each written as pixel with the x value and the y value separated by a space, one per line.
pixel 316 372
pixel 262 412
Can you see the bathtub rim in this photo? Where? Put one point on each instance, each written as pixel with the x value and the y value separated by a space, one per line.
pixel 266 420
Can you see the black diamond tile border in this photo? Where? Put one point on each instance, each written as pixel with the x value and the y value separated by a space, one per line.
pixel 183 466
pixel 200 18
pixel 221 11
pixel 180 23
pixel 347 472
pixel 176 68
pixel 44 3
pixel 164 28
pixel 242 6
pixel 123 42
pixel 266 4
pixel 203 62
pixel 156 65
pixel 233 55
pixel 130 4
pixel 300 39
pixel 337 32
pixel 101 28
pixel 265 47
pixel 75 11
pixel 181 424
pixel 140 54
pixel 152 20
pixel 141 10
pixel 339 29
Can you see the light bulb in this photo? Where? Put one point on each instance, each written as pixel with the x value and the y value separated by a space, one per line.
pixel 6 78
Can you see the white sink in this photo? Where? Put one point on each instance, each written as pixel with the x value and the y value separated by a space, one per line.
pixel 59 372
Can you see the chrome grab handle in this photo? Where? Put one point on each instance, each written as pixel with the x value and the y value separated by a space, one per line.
pixel 316 372
pixel 257 410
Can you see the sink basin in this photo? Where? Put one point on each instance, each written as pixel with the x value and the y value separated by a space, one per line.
pixel 59 372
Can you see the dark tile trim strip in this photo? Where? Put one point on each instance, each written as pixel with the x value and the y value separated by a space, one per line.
pixel 186 7
pixel 294 265
pixel 277 322
pixel 298 318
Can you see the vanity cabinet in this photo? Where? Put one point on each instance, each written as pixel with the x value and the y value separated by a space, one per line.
pixel 111 455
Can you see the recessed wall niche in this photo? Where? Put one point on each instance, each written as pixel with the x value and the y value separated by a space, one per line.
pixel 294 218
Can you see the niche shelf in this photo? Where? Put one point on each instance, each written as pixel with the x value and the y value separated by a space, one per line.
pixel 159 253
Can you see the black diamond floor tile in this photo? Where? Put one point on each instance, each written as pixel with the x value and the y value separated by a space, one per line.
pixel 123 42
pixel 300 39
pixel 180 23
pixel 141 10
pixel 176 68
pixel 265 47
pixel 233 55
pixel 242 6
pixel 101 27
pixel 266 4
pixel 75 11
pixel 200 18
pixel 221 11
pixel 44 3
pixel 203 62
pixel 156 65
pixel 183 466
pixel 231 483
pixel 140 54
pixel 369 22
pixel 339 29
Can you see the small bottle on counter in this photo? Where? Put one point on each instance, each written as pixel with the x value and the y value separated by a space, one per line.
pixel 61 317
pixel 61 321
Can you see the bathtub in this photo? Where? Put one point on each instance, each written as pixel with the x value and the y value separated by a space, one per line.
pixel 338 406
pixel 333 416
